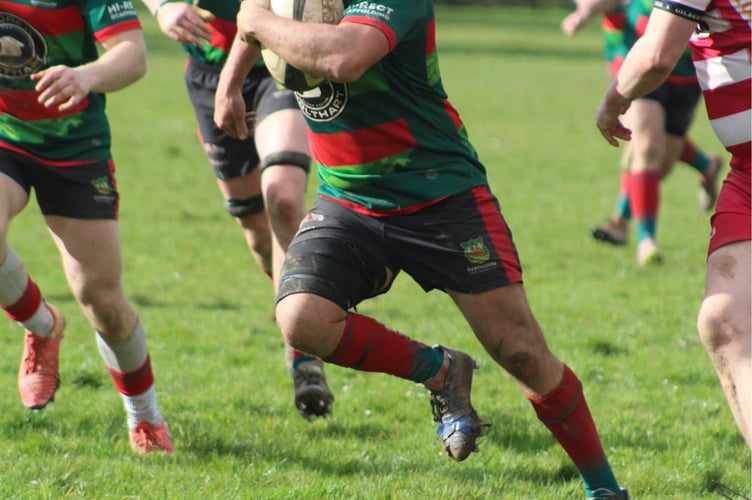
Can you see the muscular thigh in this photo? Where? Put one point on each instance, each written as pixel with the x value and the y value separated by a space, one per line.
pixel 14 191
pixel 462 244
pixel 337 254
pixel 645 118
pixel 280 128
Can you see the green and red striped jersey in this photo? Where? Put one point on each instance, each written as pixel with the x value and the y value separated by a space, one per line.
pixel 391 142
pixel 37 34
pixel 624 26
pixel 223 29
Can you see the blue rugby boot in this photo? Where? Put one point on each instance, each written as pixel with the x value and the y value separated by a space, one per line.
pixel 459 425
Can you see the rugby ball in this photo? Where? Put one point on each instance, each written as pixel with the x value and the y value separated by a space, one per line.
pixel 307 11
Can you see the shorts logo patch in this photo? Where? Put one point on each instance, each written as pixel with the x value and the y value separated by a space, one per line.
pixel 476 251
pixel 314 217
pixel 102 185
pixel 23 50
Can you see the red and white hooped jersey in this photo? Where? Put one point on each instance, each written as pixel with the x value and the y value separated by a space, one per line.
pixel 721 54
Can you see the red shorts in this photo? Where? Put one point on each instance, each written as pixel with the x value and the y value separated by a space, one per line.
pixel 732 220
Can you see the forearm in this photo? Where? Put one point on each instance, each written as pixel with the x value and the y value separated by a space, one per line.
pixel 315 48
pixel 240 61
pixel 118 67
pixel 642 72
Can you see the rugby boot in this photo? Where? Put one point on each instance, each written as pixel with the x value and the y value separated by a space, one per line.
pixel 38 375
pixel 459 424
pixel 611 232
pixel 605 494
pixel 147 438
pixel 312 395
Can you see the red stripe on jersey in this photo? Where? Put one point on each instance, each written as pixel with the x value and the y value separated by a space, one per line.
pixel 615 65
pixel 431 38
pixel 369 21
pixel 52 163
pixel 741 156
pixel 682 80
pixel 223 33
pixel 498 231
pixel 613 21
pixel 361 146
pixel 53 22
pixel 23 105
pixel 453 114
pixel 383 213
pixel 115 29
pixel 641 25
pixel 728 100
pixel 136 382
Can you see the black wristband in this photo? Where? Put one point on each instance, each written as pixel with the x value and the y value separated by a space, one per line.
pixel 679 10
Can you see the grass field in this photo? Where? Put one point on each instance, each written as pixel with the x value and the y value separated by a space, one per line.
pixel 528 96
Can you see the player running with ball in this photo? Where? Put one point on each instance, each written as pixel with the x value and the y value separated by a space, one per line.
pixel 402 189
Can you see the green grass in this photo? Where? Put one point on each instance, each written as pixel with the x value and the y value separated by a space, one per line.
pixel 528 96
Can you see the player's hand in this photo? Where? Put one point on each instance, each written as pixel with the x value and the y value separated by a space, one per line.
pixel 572 23
pixel 248 15
pixel 184 22
pixel 61 86
pixel 230 115
pixel 609 125
pixel 613 105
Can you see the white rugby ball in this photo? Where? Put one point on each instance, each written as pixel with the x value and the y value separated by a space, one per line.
pixel 307 11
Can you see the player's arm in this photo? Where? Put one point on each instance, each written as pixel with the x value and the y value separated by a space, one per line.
pixel 341 52
pixel 584 11
pixel 647 65
pixel 122 63
pixel 229 106
pixel 183 22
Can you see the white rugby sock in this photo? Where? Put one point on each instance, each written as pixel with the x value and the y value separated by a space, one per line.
pixel 142 407
pixel 13 282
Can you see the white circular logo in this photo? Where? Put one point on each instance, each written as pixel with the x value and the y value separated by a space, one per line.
pixel 23 50
pixel 324 103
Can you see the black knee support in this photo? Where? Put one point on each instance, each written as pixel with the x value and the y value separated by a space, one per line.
pixel 244 208
pixel 295 158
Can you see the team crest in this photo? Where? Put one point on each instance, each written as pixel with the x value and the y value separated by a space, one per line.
pixel 102 185
pixel 323 103
pixel 476 251
pixel 23 50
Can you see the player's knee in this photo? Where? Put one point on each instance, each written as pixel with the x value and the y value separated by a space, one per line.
pixel 285 158
pixel 713 325
pixel 285 206
pixel 243 208
pixel 305 325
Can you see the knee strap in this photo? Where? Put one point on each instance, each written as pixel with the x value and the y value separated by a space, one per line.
pixel 294 158
pixel 244 208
